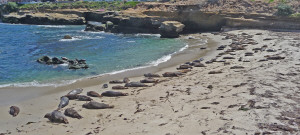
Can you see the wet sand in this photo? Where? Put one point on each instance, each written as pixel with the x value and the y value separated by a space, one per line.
pixel 248 95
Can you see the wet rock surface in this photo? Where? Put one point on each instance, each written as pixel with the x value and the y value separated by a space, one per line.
pixel 72 64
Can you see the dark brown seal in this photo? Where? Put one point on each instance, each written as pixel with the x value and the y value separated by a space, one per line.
pixel 57 117
pixel 96 105
pixel 115 82
pixel 135 84
pixel 72 113
pixel 14 111
pixel 93 94
pixel 119 87
pixel 113 94
pixel 83 98
pixel 151 75
pixel 172 74
pixel 71 97
pixel 149 80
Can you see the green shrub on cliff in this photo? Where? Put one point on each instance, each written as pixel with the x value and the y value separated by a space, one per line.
pixel 10 7
pixel 284 10
pixel 116 5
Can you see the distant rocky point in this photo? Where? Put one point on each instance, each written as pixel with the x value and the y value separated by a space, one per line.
pixel 72 64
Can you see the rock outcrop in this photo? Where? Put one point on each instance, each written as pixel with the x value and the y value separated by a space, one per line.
pixel 95 26
pixel 171 29
pixel 44 19
pixel 72 64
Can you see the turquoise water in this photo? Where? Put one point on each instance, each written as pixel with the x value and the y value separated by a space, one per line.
pixel 21 45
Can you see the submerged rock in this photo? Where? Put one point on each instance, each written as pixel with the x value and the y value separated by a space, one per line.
pixel 72 64
pixel 67 37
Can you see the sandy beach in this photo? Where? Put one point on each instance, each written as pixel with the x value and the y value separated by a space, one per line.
pixel 254 89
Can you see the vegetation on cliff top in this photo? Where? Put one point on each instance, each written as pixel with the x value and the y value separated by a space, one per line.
pixel 116 5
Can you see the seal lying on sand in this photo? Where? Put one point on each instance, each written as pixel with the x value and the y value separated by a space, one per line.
pixel 75 92
pixel 105 86
pixel 126 80
pixel 64 101
pixel 57 117
pixel 172 74
pixel 151 75
pixel 96 105
pixel 115 82
pixel 72 113
pixel 149 80
pixel 135 84
pixel 71 97
pixel 93 94
pixel 14 111
pixel 119 87
pixel 84 98
pixel 113 94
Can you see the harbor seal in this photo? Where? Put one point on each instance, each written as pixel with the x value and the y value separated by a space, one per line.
pixel 96 105
pixel 83 98
pixel 172 74
pixel 126 80
pixel 93 94
pixel 71 97
pixel 184 67
pixel 57 117
pixel 119 87
pixel 72 113
pixel 151 75
pixel 64 101
pixel 105 86
pixel 116 82
pixel 135 84
pixel 75 92
pixel 14 111
pixel 113 94
pixel 149 80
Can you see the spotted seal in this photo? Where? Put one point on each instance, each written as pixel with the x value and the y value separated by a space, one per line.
pixel 93 94
pixel 113 94
pixel 14 111
pixel 57 117
pixel 64 101
pixel 72 113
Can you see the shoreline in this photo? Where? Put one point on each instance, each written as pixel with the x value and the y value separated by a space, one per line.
pixel 177 58
pixel 255 95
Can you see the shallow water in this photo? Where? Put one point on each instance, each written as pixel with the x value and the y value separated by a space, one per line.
pixel 21 45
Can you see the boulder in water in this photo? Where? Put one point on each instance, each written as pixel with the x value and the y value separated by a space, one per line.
pixel 67 37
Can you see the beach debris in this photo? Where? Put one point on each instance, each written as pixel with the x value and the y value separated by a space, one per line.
pixel 72 113
pixel 271 50
pixel 184 67
pixel 83 98
pixel 119 87
pixel 14 111
pixel 105 86
pixel 210 86
pixel 172 74
pixel 116 82
pixel 64 101
pixel 72 64
pixel 135 84
pixel 67 37
pixel 126 80
pixel 75 91
pixel 215 72
pixel 57 117
pixel 93 94
pixel 237 67
pixel 151 75
pixel 96 105
pixel 149 80
pixel 113 94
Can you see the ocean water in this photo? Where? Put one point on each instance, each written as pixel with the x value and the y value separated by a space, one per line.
pixel 21 45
